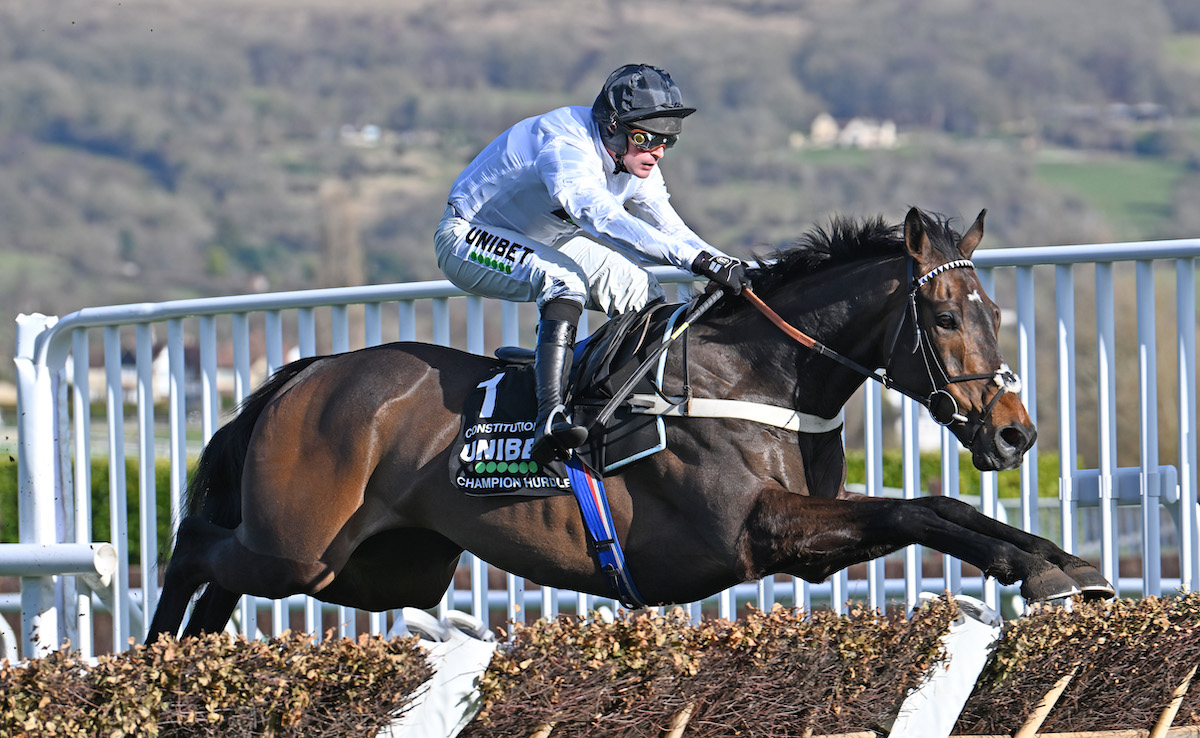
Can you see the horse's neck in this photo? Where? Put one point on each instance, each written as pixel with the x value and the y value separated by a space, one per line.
pixel 852 309
pixel 854 312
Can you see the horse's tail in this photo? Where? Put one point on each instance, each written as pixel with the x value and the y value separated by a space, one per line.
pixel 215 489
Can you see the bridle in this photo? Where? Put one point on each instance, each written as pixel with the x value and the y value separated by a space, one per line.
pixel 942 406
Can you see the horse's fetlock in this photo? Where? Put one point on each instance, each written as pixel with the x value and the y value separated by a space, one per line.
pixel 1003 573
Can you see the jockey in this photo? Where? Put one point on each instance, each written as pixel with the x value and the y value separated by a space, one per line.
pixel 564 209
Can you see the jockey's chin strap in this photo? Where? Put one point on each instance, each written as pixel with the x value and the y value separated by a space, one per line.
pixel 942 406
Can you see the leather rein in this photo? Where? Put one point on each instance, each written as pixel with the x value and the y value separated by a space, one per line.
pixel 942 406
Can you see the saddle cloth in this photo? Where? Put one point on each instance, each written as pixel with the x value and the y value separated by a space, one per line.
pixel 492 450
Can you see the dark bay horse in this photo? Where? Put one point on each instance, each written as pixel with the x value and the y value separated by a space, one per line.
pixel 333 479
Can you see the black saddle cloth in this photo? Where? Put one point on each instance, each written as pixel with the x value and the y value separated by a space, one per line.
pixel 491 455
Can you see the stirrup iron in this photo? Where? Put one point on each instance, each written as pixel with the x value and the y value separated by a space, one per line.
pixel 558 438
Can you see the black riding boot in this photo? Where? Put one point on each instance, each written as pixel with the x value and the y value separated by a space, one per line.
pixel 556 436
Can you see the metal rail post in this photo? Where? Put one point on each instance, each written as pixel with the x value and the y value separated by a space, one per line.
pixel 39 484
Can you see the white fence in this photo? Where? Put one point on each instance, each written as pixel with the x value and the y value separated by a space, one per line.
pixel 174 359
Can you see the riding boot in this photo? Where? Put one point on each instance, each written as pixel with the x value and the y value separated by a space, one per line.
pixel 556 436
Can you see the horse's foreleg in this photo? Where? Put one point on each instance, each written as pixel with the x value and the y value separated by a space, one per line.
pixel 829 535
pixel 1091 582
pixel 995 556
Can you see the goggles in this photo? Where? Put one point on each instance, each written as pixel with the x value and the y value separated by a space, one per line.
pixel 647 141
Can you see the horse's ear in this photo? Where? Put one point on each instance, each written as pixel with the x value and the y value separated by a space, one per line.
pixel 973 236
pixel 916 240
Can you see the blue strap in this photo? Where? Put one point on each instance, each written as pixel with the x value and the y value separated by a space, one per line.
pixel 593 504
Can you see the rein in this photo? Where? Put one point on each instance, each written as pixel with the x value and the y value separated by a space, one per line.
pixel 942 406
pixel 807 341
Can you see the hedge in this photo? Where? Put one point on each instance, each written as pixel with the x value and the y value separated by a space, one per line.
pixel 101 520
pixel 215 686
pixel 777 673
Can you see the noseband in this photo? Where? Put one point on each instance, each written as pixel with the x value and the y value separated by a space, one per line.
pixel 942 406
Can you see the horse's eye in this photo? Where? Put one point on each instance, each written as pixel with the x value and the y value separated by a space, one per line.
pixel 947 321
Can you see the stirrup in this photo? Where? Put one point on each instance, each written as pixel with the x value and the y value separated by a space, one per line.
pixel 558 438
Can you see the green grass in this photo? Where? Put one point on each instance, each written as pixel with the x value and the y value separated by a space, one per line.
pixel 1133 193
pixel 1184 50
pixel 1008 483
pixel 834 157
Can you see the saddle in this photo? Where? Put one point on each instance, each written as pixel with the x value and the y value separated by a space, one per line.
pixel 603 363
pixel 609 360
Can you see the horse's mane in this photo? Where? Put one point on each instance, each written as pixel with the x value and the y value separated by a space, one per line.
pixel 847 239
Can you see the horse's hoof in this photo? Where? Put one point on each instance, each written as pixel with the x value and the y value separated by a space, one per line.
pixel 1050 584
pixel 1091 582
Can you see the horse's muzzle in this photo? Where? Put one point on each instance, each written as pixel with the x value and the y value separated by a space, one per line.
pixel 1002 448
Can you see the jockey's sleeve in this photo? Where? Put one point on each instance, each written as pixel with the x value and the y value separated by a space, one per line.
pixel 576 179
pixel 651 203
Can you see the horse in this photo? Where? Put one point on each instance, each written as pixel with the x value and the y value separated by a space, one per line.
pixel 332 480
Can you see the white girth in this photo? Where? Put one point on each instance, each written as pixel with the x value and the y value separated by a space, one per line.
pixel 708 407
pixel 705 407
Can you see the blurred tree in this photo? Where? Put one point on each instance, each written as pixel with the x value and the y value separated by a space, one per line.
pixel 341 250
pixel 1184 14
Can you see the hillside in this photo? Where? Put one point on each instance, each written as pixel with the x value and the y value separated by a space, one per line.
pixel 156 150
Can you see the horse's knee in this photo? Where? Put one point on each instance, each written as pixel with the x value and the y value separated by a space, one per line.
pixel 948 508
pixel 911 521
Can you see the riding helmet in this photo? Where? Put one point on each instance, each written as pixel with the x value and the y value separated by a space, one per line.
pixel 638 93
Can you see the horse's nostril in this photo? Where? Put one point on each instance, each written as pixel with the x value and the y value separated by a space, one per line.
pixel 1014 437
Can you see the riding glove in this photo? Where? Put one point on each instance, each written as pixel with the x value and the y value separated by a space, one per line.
pixel 726 271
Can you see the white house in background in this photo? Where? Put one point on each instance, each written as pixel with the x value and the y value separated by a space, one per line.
pixel 858 133
pixel 363 137
pixel 824 131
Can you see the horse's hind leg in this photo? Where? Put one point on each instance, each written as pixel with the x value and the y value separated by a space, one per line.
pixel 188 571
pixel 207 553
pixel 212 611
pixel 1091 582
pixel 185 574
pixel 172 606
